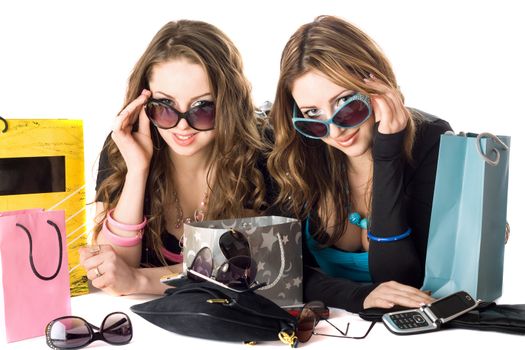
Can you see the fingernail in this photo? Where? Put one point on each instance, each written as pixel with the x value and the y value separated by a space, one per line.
pixel 144 92
pixel 422 304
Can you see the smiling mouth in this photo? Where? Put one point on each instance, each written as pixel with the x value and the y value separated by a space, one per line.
pixel 346 138
pixel 184 137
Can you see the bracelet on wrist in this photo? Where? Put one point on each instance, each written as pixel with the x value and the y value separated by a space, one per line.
pixel 125 227
pixel 119 240
pixel 389 239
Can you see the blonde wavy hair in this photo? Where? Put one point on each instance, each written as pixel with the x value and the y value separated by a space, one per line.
pixel 309 173
pixel 237 183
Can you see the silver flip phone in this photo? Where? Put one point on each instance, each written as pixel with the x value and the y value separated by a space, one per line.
pixel 429 317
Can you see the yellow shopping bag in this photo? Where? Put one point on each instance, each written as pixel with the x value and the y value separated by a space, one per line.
pixel 42 166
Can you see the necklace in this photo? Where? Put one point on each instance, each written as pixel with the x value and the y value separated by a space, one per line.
pixel 198 214
pixel 356 219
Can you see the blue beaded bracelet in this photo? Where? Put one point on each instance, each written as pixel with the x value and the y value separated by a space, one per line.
pixel 389 239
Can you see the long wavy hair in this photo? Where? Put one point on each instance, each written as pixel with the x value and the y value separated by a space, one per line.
pixel 237 183
pixel 309 173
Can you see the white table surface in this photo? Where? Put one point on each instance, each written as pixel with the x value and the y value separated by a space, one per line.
pixel 95 306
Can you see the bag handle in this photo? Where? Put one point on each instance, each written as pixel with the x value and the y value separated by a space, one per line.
pixel 5 124
pixel 495 150
pixel 281 269
pixel 32 263
pixel 496 139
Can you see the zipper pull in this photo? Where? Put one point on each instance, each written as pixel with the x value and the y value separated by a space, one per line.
pixel 218 301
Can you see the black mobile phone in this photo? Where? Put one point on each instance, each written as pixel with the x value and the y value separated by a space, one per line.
pixel 429 317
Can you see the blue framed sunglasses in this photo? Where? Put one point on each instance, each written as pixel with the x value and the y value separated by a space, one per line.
pixel 354 112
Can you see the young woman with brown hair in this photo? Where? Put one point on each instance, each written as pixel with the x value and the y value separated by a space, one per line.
pixel 356 165
pixel 187 146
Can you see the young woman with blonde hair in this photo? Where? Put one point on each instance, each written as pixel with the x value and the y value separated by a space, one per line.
pixel 356 165
pixel 186 146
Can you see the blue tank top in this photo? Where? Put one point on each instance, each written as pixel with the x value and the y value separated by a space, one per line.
pixel 338 263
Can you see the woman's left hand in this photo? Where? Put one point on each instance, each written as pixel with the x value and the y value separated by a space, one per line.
pixel 108 271
pixel 388 107
pixel 391 293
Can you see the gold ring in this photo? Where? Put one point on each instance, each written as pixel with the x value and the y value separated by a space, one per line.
pixel 97 272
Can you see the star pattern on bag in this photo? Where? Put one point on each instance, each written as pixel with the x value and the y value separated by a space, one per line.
pixel 197 236
pixel 268 240
pixel 260 266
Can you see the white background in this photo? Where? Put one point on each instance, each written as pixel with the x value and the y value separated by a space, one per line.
pixel 460 60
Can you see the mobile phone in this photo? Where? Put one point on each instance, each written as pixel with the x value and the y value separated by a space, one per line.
pixel 429 317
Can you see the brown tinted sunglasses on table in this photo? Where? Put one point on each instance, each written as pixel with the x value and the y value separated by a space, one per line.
pixel 309 316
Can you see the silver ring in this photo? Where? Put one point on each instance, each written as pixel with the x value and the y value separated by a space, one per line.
pixel 97 272
pixel 94 249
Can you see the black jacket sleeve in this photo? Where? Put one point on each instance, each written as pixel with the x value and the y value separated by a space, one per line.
pixel 335 292
pixel 401 199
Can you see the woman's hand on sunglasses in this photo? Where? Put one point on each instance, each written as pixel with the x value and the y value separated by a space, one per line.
pixel 391 293
pixel 388 107
pixel 136 147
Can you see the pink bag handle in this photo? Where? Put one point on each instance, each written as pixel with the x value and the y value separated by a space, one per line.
pixel 32 263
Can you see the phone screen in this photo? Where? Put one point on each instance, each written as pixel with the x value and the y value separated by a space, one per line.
pixel 451 305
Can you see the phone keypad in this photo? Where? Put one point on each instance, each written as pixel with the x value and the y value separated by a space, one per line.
pixel 407 320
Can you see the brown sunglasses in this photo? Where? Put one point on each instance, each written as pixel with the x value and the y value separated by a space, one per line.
pixel 316 311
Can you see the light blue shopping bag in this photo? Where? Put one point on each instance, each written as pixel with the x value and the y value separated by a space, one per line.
pixel 466 240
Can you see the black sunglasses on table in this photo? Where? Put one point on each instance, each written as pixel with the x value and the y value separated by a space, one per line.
pixel 72 332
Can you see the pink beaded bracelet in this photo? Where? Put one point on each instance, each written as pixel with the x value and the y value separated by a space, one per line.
pixel 126 227
pixel 119 240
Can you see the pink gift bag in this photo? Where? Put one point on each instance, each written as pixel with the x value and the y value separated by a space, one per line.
pixel 34 280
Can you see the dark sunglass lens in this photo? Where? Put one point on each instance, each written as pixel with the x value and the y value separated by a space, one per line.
pixel 312 128
pixel 319 308
pixel 116 328
pixel 202 117
pixel 161 115
pixel 234 243
pixel 237 272
pixel 305 325
pixel 69 333
pixel 354 113
pixel 203 262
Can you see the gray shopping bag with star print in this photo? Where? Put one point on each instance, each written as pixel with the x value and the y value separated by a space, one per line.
pixel 275 245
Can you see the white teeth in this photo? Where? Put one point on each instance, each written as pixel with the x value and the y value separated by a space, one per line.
pixel 181 137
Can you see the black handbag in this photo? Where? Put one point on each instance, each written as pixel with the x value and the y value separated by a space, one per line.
pixel 486 317
pixel 206 310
